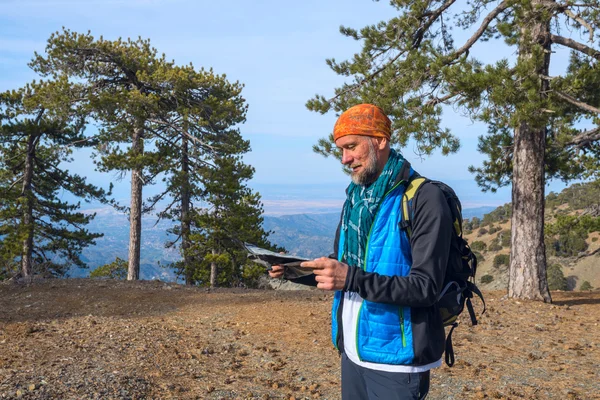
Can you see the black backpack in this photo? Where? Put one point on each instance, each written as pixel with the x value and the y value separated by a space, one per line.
pixel 459 282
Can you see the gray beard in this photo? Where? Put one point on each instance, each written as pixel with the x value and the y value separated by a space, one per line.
pixel 370 172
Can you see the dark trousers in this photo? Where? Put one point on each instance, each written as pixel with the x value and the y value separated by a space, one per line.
pixel 360 383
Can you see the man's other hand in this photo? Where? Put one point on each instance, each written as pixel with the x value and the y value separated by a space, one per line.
pixel 330 274
pixel 276 271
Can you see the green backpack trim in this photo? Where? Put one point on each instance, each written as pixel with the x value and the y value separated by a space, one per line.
pixel 459 285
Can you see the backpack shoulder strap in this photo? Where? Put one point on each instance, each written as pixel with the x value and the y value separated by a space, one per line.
pixel 409 194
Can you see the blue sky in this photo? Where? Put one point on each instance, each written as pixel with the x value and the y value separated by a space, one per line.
pixel 278 50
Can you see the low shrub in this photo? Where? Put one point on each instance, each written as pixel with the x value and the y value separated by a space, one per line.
pixel 478 245
pixel 501 259
pixel 115 270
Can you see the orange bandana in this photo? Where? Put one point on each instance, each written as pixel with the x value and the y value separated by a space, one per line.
pixel 365 120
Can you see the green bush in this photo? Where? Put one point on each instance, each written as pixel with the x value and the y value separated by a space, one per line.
pixel 480 258
pixel 478 245
pixel 501 259
pixel 115 270
pixel 482 232
pixel 568 244
pixel 494 229
pixel 585 285
pixel 595 239
pixel 494 246
pixel 567 236
pixel 556 278
pixel 486 279
pixel 252 274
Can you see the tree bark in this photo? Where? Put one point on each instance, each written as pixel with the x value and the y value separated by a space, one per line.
pixel 213 271
pixel 527 276
pixel 27 218
pixel 135 212
pixel 185 211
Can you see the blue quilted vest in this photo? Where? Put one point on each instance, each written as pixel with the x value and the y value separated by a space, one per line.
pixel 384 331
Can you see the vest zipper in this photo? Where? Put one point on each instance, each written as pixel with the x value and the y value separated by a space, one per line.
pixel 402 326
pixel 365 269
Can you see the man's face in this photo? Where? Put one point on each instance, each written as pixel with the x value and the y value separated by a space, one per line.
pixel 360 156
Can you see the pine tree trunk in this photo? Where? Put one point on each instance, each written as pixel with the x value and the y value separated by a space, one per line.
pixel 27 218
pixel 213 271
pixel 527 276
pixel 185 211
pixel 135 213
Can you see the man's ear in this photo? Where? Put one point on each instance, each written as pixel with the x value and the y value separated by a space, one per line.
pixel 381 143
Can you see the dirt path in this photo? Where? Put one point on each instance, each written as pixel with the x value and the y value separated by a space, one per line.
pixel 75 339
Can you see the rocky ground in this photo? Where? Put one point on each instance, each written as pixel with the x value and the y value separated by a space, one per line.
pixel 86 339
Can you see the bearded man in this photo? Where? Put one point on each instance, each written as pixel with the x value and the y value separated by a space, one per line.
pixel 385 320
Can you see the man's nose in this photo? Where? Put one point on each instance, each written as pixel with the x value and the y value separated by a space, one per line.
pixel 346 158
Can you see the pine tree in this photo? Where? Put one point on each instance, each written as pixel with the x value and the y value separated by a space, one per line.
pixel 40 232
pixel 202 129
pixel 127 92
pixel 231 216
pixel 411 67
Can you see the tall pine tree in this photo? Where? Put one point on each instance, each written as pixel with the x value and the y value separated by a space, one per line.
pixel 411 67
pixel 202 129
pixel 126 92
pixel 41 233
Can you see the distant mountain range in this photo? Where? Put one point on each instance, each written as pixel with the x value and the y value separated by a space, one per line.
pixel 307 235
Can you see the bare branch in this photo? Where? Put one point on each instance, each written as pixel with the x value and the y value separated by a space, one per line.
pixel 575 102
pixel 585 138
pixel 583 22
pixel 433 16
pixel 15 182
pixel 486 22
pixel 437 100
pixel 575 46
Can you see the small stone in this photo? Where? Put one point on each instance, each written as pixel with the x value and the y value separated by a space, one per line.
pixel 31 387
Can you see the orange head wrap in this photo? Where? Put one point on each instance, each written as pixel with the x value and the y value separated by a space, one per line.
pixel 365 120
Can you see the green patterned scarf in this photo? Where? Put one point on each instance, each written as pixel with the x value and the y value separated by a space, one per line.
pixel 361 206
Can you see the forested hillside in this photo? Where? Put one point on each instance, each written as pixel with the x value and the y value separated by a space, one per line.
pixel 572 232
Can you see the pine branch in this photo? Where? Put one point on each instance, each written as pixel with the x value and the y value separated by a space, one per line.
pixel 202 144
pixel 575 45
pixel 155 200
